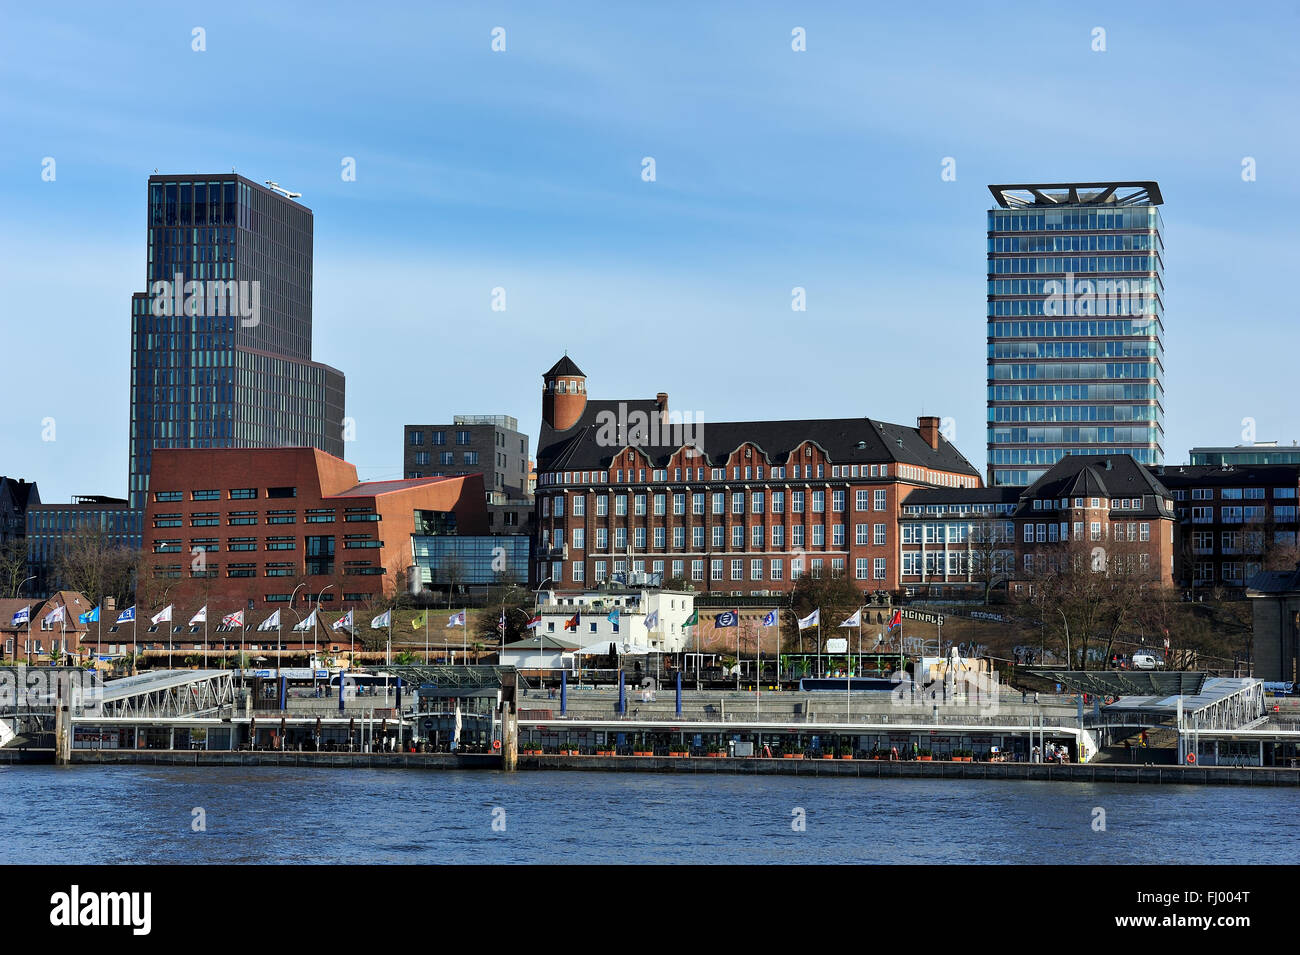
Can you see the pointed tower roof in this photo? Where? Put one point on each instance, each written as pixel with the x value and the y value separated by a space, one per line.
pixel 565 366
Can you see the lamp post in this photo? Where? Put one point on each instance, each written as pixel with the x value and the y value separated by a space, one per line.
pixel 1069 660
pixel 280 644
pixel 29 621
pixel 316 622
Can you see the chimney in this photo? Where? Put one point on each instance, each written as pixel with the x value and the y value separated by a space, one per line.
pixel 929 428
pixel 661 404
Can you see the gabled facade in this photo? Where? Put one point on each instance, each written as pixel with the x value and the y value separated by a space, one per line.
pixel 737 508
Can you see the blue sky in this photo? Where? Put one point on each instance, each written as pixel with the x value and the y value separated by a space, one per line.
pixel 522 169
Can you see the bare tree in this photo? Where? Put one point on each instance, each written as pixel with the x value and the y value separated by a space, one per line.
pixel 13 566
pixel 91 564
pixel 992 557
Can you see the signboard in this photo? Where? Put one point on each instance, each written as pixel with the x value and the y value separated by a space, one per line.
pixel 837 645
pixel 922 616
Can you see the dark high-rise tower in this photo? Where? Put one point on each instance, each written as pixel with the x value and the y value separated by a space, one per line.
pixel 221 338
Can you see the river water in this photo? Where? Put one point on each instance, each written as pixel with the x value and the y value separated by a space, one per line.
pixel 135 814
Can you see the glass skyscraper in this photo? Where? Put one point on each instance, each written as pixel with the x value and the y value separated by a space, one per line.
pixel 221 338
pixel 1075 325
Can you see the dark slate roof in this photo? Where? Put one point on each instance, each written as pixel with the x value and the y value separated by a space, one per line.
pixel 565 366
pixel 582 446
pixel 1213 475
pixel 1101 475
pixel 22 493
pixel 1275 582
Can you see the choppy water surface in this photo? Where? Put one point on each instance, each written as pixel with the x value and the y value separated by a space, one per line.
pixel 126 814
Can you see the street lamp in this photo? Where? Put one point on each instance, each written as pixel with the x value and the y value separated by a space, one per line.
pixel 314 624
pixel 280 648
pixel 1069 660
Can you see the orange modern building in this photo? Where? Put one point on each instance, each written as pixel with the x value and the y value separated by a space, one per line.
pixel 247 528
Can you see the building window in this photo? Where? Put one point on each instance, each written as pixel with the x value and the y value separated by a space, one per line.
pixel 878 500
pixel 416 438
pixel 860 499
pixel 737 570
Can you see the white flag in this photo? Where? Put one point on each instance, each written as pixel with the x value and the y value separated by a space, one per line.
pixel 855 620
pixel 652 620
pixel 270 623
pixel 308 623
pixel 57 614
pixel 343 622
pixel 385 619
pixel 812 620
pixel 233 620
pixel 456 619
pixel 162 616
pixel 201 616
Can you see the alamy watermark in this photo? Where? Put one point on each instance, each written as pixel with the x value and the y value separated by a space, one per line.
pixel 638 429
pixel 212 297
pixel 1098 297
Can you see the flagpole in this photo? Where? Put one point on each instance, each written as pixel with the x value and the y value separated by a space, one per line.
pixel 279 648
pixel 464 626
pixel 205 636
pixel 135 644
pixel 426 636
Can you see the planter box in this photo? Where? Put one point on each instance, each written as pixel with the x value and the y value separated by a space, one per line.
pixel 604 752
pixel 791 756
pixel 637 752
pixel 925 759
pixel 671 753
pixel 846 757
pixel 717 755
pixel 962 759
pixel 827 756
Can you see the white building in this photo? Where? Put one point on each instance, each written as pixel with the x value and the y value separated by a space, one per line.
pixel 666 610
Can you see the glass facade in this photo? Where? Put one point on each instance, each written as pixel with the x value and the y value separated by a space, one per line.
pixel 50 528
pixel 221 338
pixel 478 561
pixel 1256 454
pixel 1075 327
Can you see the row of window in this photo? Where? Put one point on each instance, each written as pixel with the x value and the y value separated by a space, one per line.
pixel 1249 542
pixel 875 500
pixel 1244 515
pixel 864 535
pixel 311 516
pixel 447 458
pixel 234 494
pixel 757 472
pixel 1097 531
pixel 416 438
pixel 864 568
pixel 1235 493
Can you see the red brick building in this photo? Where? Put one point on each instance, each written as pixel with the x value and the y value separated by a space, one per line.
pixel 730 507
pixel 243 528
pixel 1102 508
